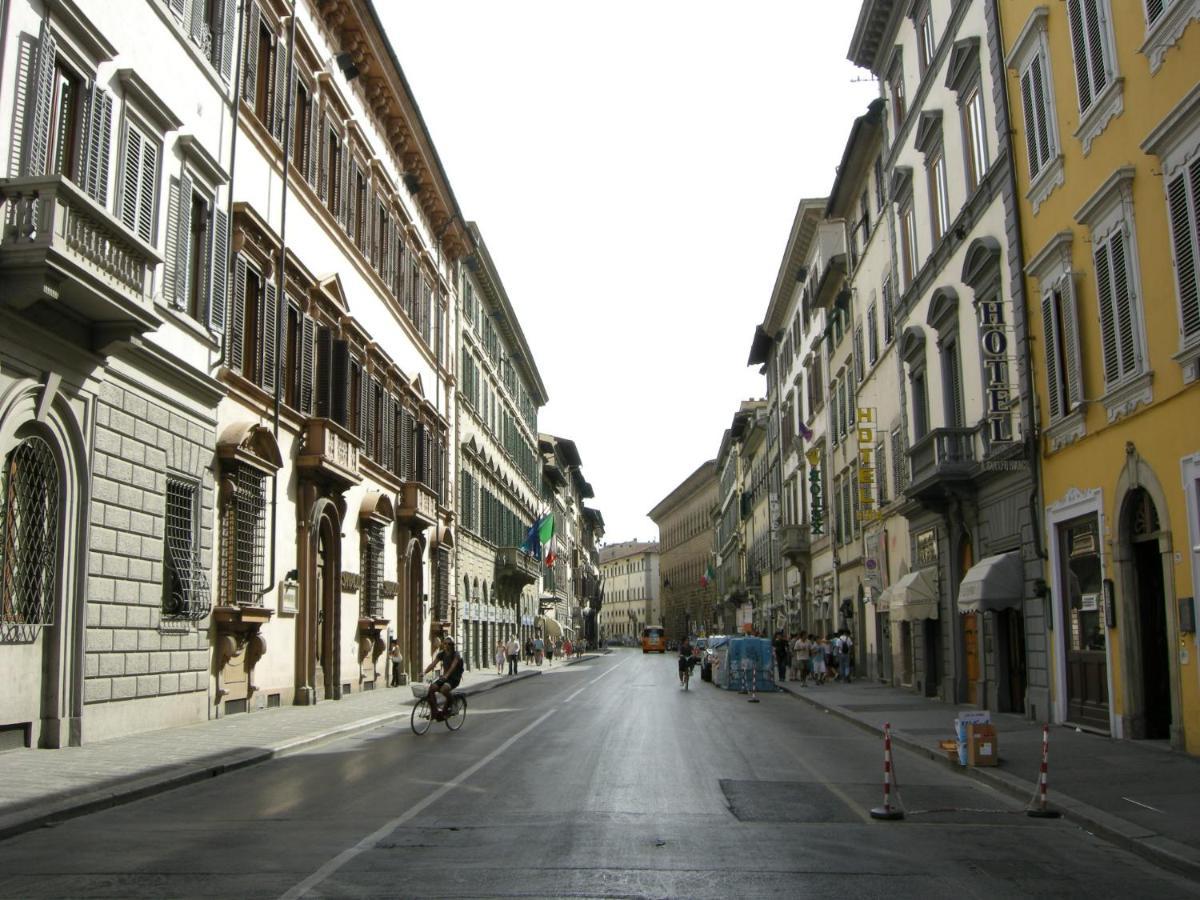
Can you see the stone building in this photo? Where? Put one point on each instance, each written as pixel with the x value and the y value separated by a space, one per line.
pixel 630 571
pixel 687 559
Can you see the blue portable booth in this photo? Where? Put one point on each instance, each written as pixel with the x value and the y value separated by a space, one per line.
pixel 741 661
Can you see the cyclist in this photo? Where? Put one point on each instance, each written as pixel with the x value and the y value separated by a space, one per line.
pixel 686 661
pixel 452 673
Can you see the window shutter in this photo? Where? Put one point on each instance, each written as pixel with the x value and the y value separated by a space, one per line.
pixel 38 126
pixel 314 141
pixel 1123 301
pixel 958 414
pixel 1052 340
pixel 270 336
pixel 96 145
pixel 147 202
pixel 1095 45
pixel 407 462
pixel 1108 329
pixel 1040 111
pixel 176 7
pixel 237 319
pixel 386 426
pixel 250 77
pixel 172 243
pixel 279 92
pixel 339 383
pixel 364 410
pixel 1079 46
pixel 323 383
pixel 1072 367
pixel 197 23
pixel 183 241
pixel 347 188
pixel 131 182
pixel 1154 9
pixel 307 328
pixel 219 267
pixel 1185 233
pixel 228 38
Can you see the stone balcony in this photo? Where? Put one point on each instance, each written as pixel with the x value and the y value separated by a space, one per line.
pixel 329 452
pixel 944 461
pixel 796 543
pixel 514 565
pixel 61 247
pixel 418 506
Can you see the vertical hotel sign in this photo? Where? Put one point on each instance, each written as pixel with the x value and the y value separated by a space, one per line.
pixel 993 340
pixel 866 465
pixel 816 503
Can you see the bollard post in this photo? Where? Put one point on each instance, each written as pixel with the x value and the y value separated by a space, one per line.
pixel 754 685
pixel 887 812
pixel 1038 807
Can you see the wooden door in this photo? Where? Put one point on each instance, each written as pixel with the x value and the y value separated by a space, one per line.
pixel 1083 640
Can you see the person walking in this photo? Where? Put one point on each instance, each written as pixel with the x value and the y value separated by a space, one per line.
pixel 817 650
pixel 539 649
pixel 800 658
pixel 567 648
pixel 501 655
pixel 845 647
pixel 514 652
pixel 396 659
pixel 550 652
pixel 780 646
pixel 528 651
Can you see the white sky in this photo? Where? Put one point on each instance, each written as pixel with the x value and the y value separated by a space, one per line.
pixel 634 168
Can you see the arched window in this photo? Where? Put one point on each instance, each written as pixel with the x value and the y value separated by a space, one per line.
pixel 30 539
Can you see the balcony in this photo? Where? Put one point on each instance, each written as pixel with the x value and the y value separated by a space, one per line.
pixel 418 506
pixel 796 543
pixel 61 247
pixel 942 463
pixel 328 452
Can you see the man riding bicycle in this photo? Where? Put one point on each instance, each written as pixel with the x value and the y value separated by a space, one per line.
pixel 687 659
pixel 452 673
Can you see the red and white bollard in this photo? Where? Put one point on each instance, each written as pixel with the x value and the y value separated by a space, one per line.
pixel 888 812
pixel 753 685
pixel 1037 806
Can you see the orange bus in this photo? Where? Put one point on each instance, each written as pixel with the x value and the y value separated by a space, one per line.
pixel 654 640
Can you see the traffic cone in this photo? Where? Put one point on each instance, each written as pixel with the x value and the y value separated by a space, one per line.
pixel 888 812
pixel 1037 807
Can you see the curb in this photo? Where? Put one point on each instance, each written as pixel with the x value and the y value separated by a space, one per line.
pixel 49 814
pixel 1150 845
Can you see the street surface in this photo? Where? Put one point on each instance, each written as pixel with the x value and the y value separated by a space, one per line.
pixel 600 780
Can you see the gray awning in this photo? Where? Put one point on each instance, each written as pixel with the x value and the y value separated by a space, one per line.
pixel 914 597
pixel 883 603
pixel 993 583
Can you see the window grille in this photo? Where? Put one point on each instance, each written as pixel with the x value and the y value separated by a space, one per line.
pixel 372 570
pixel 185 587
pixel 30 534
pixel 242 572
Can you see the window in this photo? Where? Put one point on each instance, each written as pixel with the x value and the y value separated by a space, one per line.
pixel 952 386
pixel 926 44
pixel 185 586
pixel 896 88
pixel 1091 48
pixel 1060 337
pixel 1183 207
pixel 211 27
pixel 198 258
pixel 139 182
pixel 858 354
pixel 1029 58
pixel 197 253
pixel 1120 340
pixel 30 510
pixel 244 537
pixel 975 137
pixel 372 569
pixel 889 312
pixel 301 125
pixel 879 183
pixel 293 340
pixel 908 244
pixel 939 200
pixel 920 405
pixel 65 122
pixel 872 334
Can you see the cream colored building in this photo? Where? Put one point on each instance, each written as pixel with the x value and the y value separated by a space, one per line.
pixel 630 575
pixel 687 559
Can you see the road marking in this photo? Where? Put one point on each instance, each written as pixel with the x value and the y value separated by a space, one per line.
pixel 576 694
pixel 416 809
pixel 1142 805
pixel 594 680
pixel 492 712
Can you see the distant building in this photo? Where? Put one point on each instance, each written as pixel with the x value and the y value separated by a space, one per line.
pixel 630 571
pixel 687 559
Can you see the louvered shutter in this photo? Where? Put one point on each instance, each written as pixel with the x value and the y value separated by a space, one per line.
pixel 407 463
pixel 314 141
pixel 1154 9
pixel 366 217
pixel 386 426
pixel 1185 234
pixel 219 267
pixel 237 318
pixel 1108 328
pixel 956 388
pixel 364 410
pixel 183 242
pixel 1095 45
pixel 339 383
pixel 307 329
pixel 1052 340
pixel 323 151
pixel 149 191
pixel 176 7
pixel 172 243
pixel 1072 366
pixel 279 91
pixel 198 23
pixel 38 125
pixel 1079 46
pixel 1123 300
pixel 270 336
pixel 347 188
pixel 96 145
pixel 227 39
pixel 323 383
pixel 251 74
pixel 132 178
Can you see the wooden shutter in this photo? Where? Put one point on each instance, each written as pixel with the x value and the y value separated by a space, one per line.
pixel 386 427
pixel 1069 320
pixel 323 384
pixel 172 243
pixel 1123 301
pixel 183 242
pixel 96 145
pixel 307 329
pixel 365 406
pixel 131 177
pixel 250 63
pixel 1185 234
pixel 1052 340
pixel 38 125
pixel 314 141
pixel 270 336
pixel 219 267
pixel 237 318
pixel 1095 46
pixel 176 7
pixel 1154 9
pixel 407 463
pixel 228 38
pixel 1108 329
pixel 1079 46
pixel 347 187
pixel 198 24
pixel 339 383
pixel 279 92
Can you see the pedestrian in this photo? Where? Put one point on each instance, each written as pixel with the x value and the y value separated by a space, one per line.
pixel 396 660
pixel 539 649
pixel 817 660
pixel 845 648
pixel 566 648
pixel 514 652
pixel 528 651
pixel 780 646
pixel 501 655
pixel 800 656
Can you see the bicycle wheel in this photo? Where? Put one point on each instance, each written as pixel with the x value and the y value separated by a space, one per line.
pixel 458 713
pixel 421 716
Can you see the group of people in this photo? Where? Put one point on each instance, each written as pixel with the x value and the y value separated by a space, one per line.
pixel 534 651
pixel 811 655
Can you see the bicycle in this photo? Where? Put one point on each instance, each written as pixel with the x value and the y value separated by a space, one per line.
pixel 686 675
pixel 423 715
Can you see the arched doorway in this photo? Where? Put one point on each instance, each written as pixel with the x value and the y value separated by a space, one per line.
pixel 328 598
pixel 414 618
pixel 1141 524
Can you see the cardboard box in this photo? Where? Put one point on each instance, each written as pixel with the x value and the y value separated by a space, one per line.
pixel 983 748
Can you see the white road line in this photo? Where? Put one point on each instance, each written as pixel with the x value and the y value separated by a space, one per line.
pixel 379 834
pixel 593 681
pixel 576 694
pixel 1142 805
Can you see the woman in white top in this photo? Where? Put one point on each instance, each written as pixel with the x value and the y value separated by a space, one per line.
pixel 817 653
pixel 500 657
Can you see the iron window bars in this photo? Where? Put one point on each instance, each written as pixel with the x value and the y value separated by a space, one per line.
pixel 185 587
pixel 30 540
pixel 372 570
pixel 245 538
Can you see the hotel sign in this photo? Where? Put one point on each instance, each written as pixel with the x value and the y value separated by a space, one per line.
pixel 867 512
pixel 993 339
pixel 816 502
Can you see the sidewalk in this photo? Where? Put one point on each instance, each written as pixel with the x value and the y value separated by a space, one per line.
pixel 1140 795
pixel 42 786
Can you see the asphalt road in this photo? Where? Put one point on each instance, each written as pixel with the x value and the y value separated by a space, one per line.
pixel 598 780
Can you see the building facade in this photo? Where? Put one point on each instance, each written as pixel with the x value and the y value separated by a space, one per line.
pixel 686 555
pixel 630 571
pixel 1106 136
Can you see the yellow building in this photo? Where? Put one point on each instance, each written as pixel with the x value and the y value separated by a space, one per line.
pixel 1105 110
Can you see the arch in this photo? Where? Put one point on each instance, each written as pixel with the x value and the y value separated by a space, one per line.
pixel 54 657
pixel 981 263
pixel 1143 560
pixel 251 443
pixel 943 310
pixel 377 506
pixel 912 345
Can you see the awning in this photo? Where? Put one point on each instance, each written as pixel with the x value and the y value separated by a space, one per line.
pixel 993 583
pixel 553 628
pixel 914 597
pixel 883 603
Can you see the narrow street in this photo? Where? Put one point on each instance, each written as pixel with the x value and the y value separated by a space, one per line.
pixel 602 779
